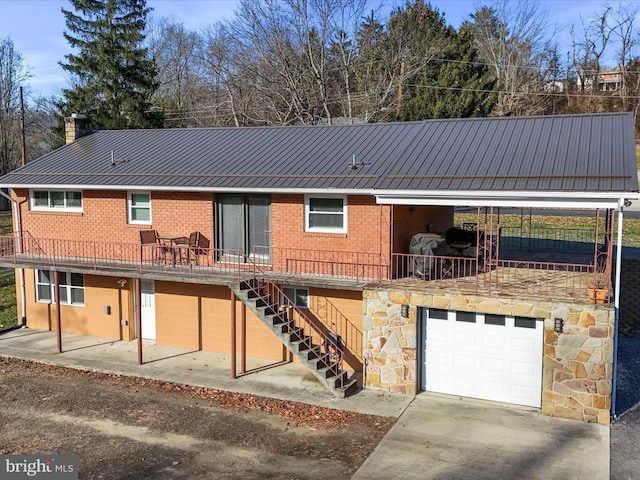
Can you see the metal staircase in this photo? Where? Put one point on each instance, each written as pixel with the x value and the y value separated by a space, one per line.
pixel 321 352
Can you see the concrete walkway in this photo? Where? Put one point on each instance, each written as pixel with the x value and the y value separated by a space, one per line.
pixel 434 438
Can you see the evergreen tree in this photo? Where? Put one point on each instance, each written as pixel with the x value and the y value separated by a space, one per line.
pixel 112 75
pixel 460 87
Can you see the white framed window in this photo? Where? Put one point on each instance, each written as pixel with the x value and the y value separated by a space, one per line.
pixel 325 214
pixel 139 207
pixel 71 287
pixel 56 200
pixel 298 296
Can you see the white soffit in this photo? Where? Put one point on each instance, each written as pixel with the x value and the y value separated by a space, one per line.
pixel 576 202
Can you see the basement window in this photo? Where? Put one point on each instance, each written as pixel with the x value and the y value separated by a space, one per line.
pixel 56 200
pixel 295 296
pixel 71 287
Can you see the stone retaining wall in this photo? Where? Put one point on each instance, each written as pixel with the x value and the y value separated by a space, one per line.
pixel 577 364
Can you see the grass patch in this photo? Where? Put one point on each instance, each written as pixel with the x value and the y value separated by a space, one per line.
pixel 630 227
pixel 8 304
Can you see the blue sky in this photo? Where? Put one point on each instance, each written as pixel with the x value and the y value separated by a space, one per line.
pixel 36 26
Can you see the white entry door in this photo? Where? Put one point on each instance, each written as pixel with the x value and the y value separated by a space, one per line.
pixel 492 357
pixel 148 304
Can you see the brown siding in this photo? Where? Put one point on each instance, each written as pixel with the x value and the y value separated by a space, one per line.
pixel 88 320
pixel 185 310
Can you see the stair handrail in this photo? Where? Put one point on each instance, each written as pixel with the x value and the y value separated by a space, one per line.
pixel 327 340
pixel 342 318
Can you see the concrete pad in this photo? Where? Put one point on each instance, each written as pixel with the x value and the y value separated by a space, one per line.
pixel 451 438
pixel 269 378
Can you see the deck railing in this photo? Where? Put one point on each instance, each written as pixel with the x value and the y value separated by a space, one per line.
pixel 468 273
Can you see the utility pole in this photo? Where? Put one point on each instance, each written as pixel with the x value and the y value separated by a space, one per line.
pixel 399 104
pixel 22 133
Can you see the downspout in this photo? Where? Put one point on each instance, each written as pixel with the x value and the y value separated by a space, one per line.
pixel 616 303
pixel 18 224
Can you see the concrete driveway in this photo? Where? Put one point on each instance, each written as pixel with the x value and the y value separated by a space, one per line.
pixel 451 438
pixel 625 438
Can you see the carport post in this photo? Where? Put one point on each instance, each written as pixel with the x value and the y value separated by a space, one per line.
pixel 243 339
pixel 56 292
pixel 233 334
pixel 616 323
pixel 139 319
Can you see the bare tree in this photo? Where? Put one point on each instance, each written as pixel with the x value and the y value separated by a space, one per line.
pixel 173 49
pixel 510 37
pixel 13 74
pixel 623 30
pixel 345 23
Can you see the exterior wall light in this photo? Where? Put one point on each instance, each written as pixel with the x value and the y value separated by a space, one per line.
pixel 558 325
pixel 404 311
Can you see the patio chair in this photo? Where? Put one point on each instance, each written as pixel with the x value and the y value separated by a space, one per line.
pixel 149 239
pixel 200 247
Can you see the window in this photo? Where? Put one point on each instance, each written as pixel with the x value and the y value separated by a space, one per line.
pixel 300 297
pixel 491 319
pixel 325 214
pixel 438 314
pixel 140 207
pixel 71 287
pixel 525 322
pixel 56 200
pixel 469 317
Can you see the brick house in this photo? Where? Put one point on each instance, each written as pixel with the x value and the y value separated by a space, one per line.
pixel 340 243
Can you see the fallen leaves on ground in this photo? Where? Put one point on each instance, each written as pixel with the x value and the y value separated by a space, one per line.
pixel 298 413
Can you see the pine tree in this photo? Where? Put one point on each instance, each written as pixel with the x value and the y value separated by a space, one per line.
pixel 113 78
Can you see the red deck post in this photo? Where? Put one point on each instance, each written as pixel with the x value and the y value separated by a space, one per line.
pixel 233 334
pixel 243 339
pixel 56 292
pixel 139 319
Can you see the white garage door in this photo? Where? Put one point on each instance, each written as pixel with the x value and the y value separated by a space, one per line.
pixel 492 357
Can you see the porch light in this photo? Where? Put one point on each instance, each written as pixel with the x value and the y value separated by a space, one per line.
pixel 404 311
pixel 558 325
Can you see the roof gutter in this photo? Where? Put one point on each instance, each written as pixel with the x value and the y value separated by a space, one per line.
pixel 520 198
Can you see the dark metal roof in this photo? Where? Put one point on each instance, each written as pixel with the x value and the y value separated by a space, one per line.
pixel 564 153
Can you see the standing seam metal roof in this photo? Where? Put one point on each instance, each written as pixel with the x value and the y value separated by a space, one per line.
pixel 588 152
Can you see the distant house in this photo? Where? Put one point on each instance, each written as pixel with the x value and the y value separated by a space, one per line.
pixel 608 79
pixel 339 243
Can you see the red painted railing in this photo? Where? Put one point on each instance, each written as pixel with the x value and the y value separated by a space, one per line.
pixel 470 273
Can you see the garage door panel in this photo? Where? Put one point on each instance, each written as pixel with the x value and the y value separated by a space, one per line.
pixel 494 365
pixel 493 341
pixel 495 361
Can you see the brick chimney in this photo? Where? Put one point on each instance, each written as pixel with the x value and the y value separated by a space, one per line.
pixel 75 127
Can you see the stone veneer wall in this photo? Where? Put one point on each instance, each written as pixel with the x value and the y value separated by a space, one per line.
pixel 577 364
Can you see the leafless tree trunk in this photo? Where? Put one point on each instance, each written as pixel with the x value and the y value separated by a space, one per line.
pixel 13 74
pixel 510 37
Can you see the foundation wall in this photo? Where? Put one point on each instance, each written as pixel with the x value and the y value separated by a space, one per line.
pixel 577 364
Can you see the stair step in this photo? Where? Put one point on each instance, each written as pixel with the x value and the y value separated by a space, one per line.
pixel 295 334
pixel 320 361
pixel 247 284
pixel 303 344
pixel 280 318
pixel 331 371
pixel 311 353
